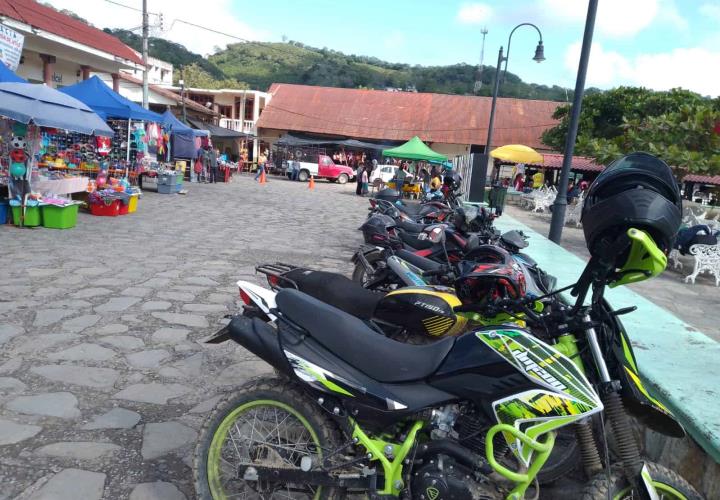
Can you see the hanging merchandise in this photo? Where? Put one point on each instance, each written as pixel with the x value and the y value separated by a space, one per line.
pixel 104 145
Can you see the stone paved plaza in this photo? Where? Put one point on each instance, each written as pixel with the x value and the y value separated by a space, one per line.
pixel 104 381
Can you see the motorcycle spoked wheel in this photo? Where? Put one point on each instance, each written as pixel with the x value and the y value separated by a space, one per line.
pixel 267 422
pixel 361 276
pixel 669 485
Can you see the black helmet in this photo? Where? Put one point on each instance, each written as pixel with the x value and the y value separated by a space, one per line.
pixel 635 191
pixel 388 194
pixel 379 229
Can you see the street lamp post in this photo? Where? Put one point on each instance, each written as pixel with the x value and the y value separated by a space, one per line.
pixel 182 99
pixel 558 212
pixel 539 57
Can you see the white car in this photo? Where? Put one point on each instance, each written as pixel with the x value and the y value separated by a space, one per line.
pixel 384 173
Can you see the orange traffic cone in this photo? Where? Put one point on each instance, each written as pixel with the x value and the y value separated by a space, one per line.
pixel 312 183
pixel 262 178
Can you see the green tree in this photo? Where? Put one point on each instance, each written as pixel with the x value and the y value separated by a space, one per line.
pixel 195 76
pixel 679 126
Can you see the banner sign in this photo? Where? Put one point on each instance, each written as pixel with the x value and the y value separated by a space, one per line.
pixel 11 44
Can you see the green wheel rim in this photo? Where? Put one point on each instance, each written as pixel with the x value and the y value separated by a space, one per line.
pixel 667 492
pixel 216 445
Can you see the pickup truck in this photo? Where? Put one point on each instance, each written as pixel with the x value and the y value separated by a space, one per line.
pixel 323 169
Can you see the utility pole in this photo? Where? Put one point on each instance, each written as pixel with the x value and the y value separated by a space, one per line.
pixel 145 53
pixel 478 79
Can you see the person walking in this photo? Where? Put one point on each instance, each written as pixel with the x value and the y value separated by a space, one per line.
pixel 262 160
pixel 364 178
pixel 358 178
pixel 213 164
pixel 400 179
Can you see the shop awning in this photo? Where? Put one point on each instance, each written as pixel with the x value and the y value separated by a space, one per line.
pixel 108 103
pixel 170 122
pixel 6 75
pixel 218 132
pixel 46 107
pixel 414 149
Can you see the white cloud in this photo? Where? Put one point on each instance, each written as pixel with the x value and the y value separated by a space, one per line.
pixel 215 14
pixel 615 18
pixel 710 10
pixel 661 71
pixel 474 13
pixel 669 14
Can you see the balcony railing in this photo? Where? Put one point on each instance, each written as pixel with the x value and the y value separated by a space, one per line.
pixel 245 126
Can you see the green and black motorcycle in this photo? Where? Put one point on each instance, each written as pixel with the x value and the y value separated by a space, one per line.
pixel 353 413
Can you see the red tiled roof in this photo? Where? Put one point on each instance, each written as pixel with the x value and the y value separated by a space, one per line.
pixel 377 114
pixel 48 19
pixel 703 179
pixel 169 94
pixel 582 163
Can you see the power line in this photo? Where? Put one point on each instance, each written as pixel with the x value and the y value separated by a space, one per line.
pixel 131 7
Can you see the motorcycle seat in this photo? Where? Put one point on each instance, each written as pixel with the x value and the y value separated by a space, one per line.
pixel 413 209
pixel 410 227
pixel 412 241
pixel 336 290
pixel 350 339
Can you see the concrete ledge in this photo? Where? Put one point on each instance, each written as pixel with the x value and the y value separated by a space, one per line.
pixel 680 365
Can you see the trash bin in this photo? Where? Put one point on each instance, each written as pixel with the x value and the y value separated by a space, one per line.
pixel 497 198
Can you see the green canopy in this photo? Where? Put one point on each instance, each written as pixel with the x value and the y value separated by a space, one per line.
pixel 414 149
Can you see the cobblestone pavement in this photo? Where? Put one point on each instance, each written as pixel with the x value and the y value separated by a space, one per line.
pixel 695 304
pixel 104 383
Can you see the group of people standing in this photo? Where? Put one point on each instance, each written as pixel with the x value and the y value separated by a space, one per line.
pixel 206 168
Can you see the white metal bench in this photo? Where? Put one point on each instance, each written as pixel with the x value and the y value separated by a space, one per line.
pixel 707 259
pixel 573 212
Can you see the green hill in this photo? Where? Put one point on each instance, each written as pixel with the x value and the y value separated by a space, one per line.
pixel 258 65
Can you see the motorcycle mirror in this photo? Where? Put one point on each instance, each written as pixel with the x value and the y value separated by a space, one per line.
pixel 436 234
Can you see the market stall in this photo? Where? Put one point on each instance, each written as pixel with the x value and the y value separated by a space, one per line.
pixel 27 112
pixel 185 140
pixel 414 149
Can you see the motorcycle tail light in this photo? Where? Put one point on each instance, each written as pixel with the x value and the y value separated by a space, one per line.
pixel 373 203
pixel 273 280
pixel 245 298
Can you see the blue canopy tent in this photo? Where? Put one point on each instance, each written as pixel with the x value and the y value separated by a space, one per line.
pixel 46 107
pixel 183 136
pixel 105 101
pixel 6 75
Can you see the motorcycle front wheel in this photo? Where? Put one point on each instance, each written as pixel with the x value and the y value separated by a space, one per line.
pixel 669 485
pixel 267 423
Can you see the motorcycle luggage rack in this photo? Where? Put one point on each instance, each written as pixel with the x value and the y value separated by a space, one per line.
pixel 278 271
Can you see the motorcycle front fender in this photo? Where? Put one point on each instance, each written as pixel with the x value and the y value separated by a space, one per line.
pixel 636 398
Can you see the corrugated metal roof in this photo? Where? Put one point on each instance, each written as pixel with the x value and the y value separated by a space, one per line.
pixel 398 116
pixel 48 19
pixel 554 161
pixel 703 179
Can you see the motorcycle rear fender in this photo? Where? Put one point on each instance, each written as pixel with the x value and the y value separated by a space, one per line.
pixel 365 251
pixel 261 339
pixel 263 298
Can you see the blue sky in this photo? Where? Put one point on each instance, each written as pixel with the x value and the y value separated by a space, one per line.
pixel 655 43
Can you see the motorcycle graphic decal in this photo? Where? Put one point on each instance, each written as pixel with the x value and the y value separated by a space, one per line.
pixel 315 375
pixel 541 363
pixel 437 325
pixel 329 382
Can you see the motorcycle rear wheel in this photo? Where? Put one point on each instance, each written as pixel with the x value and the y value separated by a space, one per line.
pixel 282 426
pixel 669 485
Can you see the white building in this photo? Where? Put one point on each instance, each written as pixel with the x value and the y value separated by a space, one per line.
pixel 159 72
pixel 59 50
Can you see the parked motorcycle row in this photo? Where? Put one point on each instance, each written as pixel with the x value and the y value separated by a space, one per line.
pixel 450 365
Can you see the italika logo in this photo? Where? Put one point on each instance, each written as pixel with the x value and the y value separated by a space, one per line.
pixel 432 492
